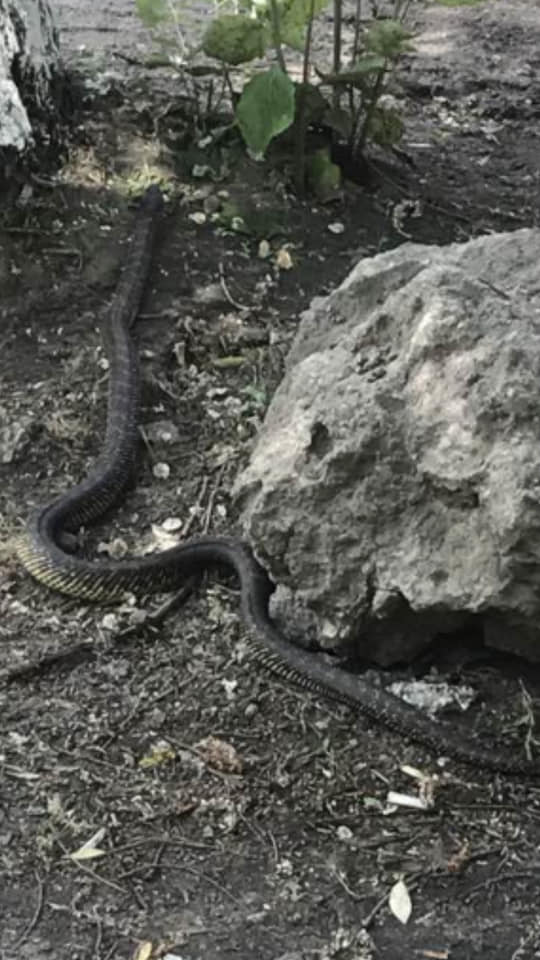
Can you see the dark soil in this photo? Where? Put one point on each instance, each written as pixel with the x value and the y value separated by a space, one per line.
pixel 277 841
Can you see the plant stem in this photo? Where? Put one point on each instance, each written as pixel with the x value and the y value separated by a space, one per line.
pixel 173 14
pixel 307 47
pixel 276 35
pixel 357 26
pixel 300 123
pixel 360 140
pixel 230 88
pixel 338 21
pixel 401 9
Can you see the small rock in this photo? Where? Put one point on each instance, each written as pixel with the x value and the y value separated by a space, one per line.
pixel 210 294
pixel 161 471
pixel 115 548
pixel 162 431
pixel 172 524
pixel 110 622
pixel 284 259
pixel 212 204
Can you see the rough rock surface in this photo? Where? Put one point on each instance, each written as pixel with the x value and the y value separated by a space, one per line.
pixel 28 58
pixel 394 491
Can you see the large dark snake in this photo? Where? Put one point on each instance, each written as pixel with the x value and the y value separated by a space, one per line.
pixel 39 547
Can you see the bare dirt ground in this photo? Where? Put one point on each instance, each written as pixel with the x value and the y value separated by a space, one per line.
pixel 281 844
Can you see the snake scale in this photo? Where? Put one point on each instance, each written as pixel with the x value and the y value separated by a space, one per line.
pixel 41 552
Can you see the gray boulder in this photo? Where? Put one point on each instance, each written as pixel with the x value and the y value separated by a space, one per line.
pixel 394 490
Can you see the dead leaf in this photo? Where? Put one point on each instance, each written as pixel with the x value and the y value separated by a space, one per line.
pixel 406 800
pixel 220 755
pixel 144 951
pixel 90 849
pixel 116 548
pixel 284 259
pixel 163 539
pixel 159 753
pixel 399 902
pixel 458 860
pixel 87 853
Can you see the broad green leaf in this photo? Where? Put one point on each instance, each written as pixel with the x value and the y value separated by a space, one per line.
pixel 385 126
pixel 300 11
pixel 293 35
pixel 154 60
pixel 265 109
pixel 314 104
pixel 152 12
pixel 235 38
pixel 339 120
pixel 293 21
pixel 370 63
pixel 324 176
pixel 388 38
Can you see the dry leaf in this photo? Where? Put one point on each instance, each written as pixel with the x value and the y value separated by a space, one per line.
pixel 220 755
pixel 458 860
pixel 159 753
pixel 162 538
pixel 87 853
pixel 144 951
pixel 116 548
pixel 406 800
pixel 109 621
pixel 399 902
pixel 90 849
pixel 284 259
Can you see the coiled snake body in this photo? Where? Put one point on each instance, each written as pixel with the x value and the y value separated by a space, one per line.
pixel 42 555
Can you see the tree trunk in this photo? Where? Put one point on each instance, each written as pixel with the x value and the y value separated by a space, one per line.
pixel 28 81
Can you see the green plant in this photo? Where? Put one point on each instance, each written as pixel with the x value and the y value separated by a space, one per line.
pixel 363 85
pixel 347 103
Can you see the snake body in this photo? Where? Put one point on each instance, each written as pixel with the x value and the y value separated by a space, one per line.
pixel 42 554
